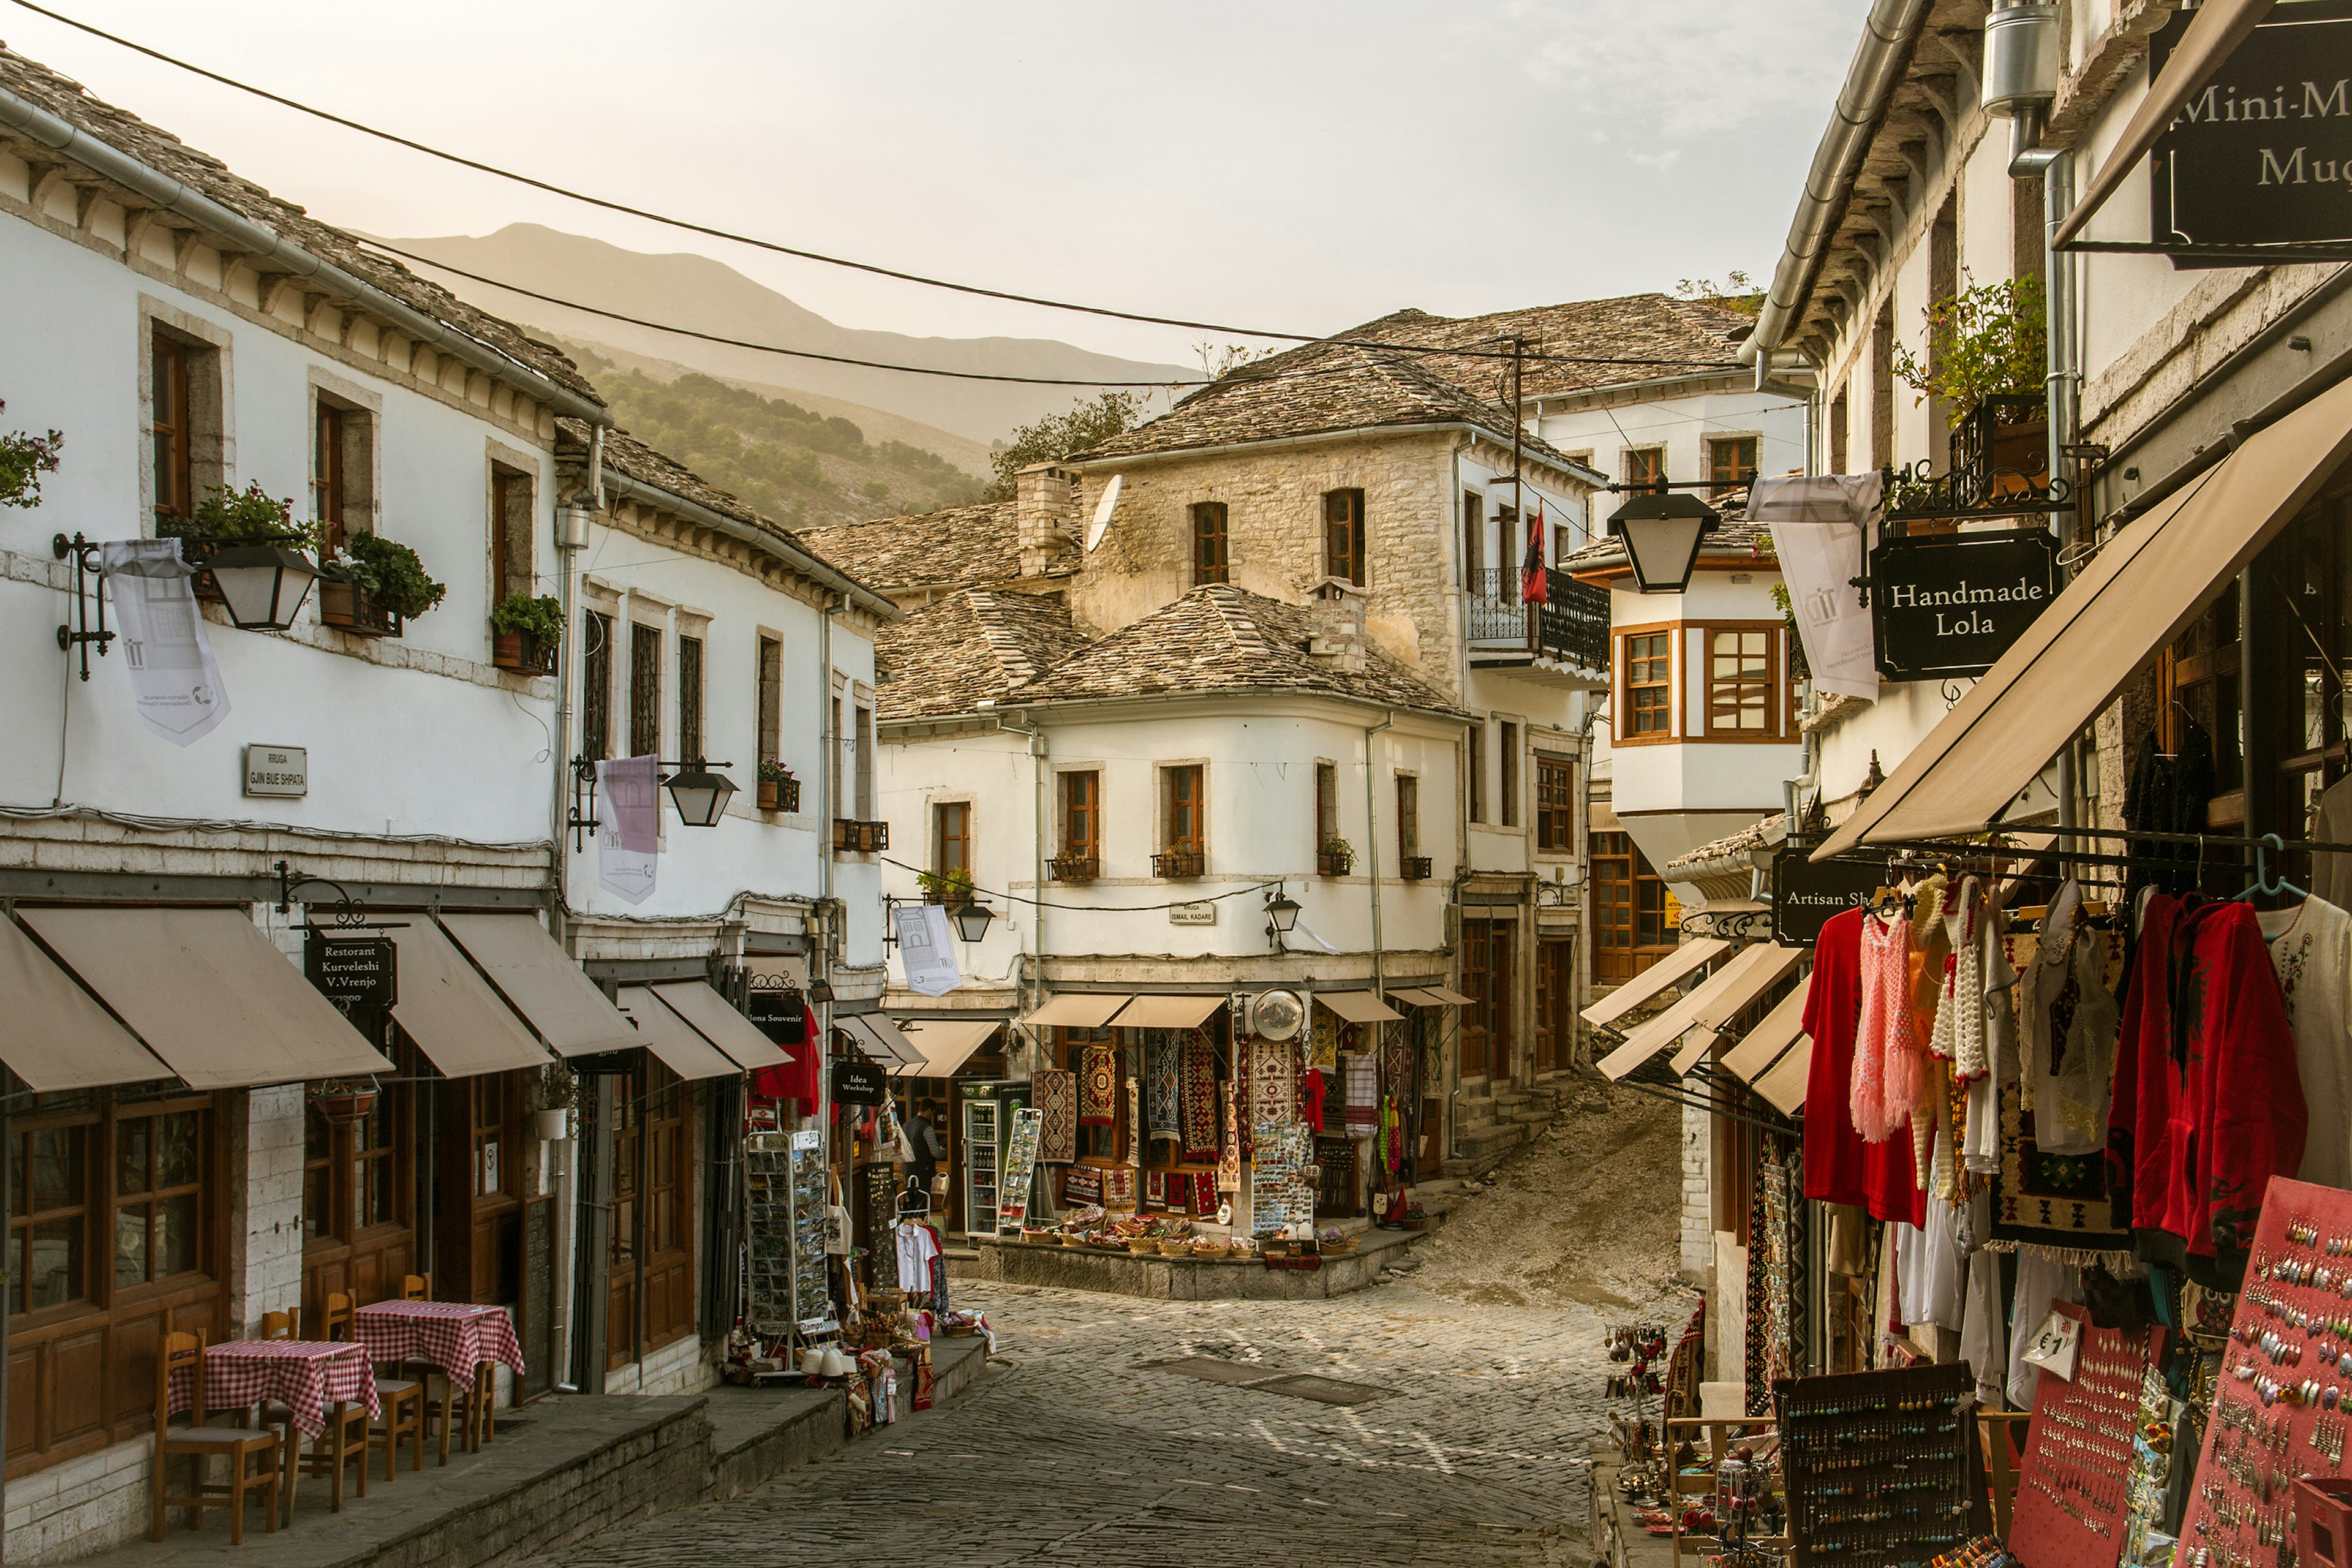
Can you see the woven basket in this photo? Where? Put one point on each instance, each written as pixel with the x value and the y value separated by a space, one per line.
pixel 1072 1238
pixel 1339 1248
pixel 1144 1246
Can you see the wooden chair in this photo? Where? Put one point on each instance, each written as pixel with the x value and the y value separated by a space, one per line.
pixel 345 1438
pixel 416 1287
pixel 201 1442
pixel 405 1406
pixel 463 1407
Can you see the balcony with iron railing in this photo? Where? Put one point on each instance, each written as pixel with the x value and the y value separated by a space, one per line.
pixel 1572 628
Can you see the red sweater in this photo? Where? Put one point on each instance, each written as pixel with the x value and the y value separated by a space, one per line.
pixel 2238 1118
pixel 2139 1150
pixel 1839 1168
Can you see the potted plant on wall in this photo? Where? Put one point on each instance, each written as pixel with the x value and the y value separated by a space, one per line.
pixel 1988 355
pixel 375 585
pixel 225 517
pixel 779 791
pixel 525 631
pixel 1336 859
pixel 952 889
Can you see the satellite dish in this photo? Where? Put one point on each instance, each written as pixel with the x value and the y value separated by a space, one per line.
pixel 1103 509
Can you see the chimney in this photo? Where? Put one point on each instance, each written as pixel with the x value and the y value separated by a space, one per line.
pixel 1044 503
pixel 1335 624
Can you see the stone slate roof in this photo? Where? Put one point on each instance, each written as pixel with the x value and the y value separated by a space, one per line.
pixel 1317 389
pixel 961 546
pixel 167 154
pixel 1217 639
pixel 949 655
pixel 1770 830
pixel 1633 326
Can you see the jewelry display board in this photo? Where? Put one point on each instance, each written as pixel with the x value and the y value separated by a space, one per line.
pixel 2072 1495
pixel 2285 1398
pixel 1876 1466
pixel 1020 1168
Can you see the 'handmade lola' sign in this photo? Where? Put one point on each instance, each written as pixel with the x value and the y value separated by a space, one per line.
pixel 1950 604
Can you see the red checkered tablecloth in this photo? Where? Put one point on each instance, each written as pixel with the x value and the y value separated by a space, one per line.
pixel 304 1375
pixel 455 1336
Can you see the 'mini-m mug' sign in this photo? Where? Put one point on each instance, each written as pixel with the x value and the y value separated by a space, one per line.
pixel 2263 154
pixel 1949 605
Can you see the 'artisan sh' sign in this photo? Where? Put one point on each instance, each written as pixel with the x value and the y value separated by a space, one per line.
pixel 2263 154
pixel 1950 604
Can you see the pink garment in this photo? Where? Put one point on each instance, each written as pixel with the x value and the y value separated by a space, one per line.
pixel 1885 1061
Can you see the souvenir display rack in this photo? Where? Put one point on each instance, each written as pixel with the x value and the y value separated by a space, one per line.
pixel 1876 1466
pixel 2284 1404
pixel 2073 1496
pixel 768 1170
pixel 1019 1169
pixel 812 1274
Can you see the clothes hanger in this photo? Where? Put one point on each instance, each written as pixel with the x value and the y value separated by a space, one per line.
pixel 2265 884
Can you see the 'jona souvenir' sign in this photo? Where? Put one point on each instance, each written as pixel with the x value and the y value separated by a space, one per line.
pixel 1950 604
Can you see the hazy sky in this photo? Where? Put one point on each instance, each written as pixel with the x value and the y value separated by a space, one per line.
pixel 1298 166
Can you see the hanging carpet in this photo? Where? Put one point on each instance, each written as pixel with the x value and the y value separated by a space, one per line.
pixel 1055 1095
pixel 1098 1088
pixel 1198 1092
pixel 1162 1052
pixel 1274 1083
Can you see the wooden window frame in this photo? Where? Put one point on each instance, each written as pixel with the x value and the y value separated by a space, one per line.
pixel 361 1256
pixel 1638 466
pixel 1555 803
pixel 1614 963
pixel 1407 810
pixel 952 822
pixel 644 705
pixel 1211 543
pixel 172 437
pixel 767 699
pixel 1475 744
pixel 1723 481
pixel 1624 697
pixel 693 745
pixel 513 566
pixel 1174 837
pixel 1507 734
pixel 1081 821
pixel 1778 697
pixel 1473 540
pixel 327 464
pixel 1344 553
pixel 1327 804
pixel 598 628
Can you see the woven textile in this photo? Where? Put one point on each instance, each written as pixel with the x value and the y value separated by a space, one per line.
pixel 1280 1152
pixel 1134 1121
pixel 1244 1055
pixel 1274 1083
pixel 1362 1079
pixel 1396 1073
pixel 1162 1052
pixel 1055 1096
pixel 1155 1189
pixel 304 1375
pixel 1098 1088
pixel 455 1336
pixel 1199 1096
pixel 1204 1192
pixel 2052 1200
pixel 1323 1042
pixel 1118 1187
pixel 1229 1161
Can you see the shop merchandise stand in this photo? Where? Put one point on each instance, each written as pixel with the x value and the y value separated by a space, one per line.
pixel 2070 1506
pixel 2282 1404
pixel 1876 1466
pixel 1684 1492
pixel 1998 1456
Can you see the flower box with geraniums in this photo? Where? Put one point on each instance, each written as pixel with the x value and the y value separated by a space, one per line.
pixel 952 889
pixel 374 586
pixel 1336 859
pixel 779 791
pixel 525 631
pixel 225 517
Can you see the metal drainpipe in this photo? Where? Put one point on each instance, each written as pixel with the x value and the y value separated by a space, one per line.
pixel 2055 166
pixel 821 950
pixel 1372 855
pixel 571 538
pixel 1038 752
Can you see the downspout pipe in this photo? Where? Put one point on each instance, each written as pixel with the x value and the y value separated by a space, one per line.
pixel 1372 855
pixel 1039 750
pixel 1869 83
pixel 2059 270
pixel 157 189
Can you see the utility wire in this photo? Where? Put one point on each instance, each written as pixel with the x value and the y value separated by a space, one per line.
pixel 875 268
pixel 1094 908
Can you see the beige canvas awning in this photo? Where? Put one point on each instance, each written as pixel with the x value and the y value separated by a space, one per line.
pixel 2213 35
pixel 1783 1086
pixel 1178 1012
pixel 541 983
pixel 1766 1043
pixel 1705 1009
pixel 1430 996
pixel 1669 971
pixel 946 1044
pixel 451 1012
pixel 52 1035
pixel 1078 1010
pixel 721 1024
pixel 1359 1006
pixel 2133 597
pixel 207 993
pixel 879 1038
pixel 670 1038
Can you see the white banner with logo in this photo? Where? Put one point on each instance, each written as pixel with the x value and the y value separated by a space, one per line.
pixel 174 679
pixel 927 948
pixel 1819 528
pixel 628 828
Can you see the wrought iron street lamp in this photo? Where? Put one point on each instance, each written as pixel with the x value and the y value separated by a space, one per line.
pixel 1661 532
pixel 971 919
pixel 263 584
pixel 700 795
pixel 1281 916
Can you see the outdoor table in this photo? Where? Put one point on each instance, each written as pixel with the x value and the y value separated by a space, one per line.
pixel 304 1375
pixel 461 1339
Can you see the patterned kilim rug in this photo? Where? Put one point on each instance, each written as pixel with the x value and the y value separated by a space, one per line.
pixel 1199 1100
pixel 1229 1162
pixel 1055 1096
pixel 1162 1050
pixel 1274 1084
pixel 1098 1088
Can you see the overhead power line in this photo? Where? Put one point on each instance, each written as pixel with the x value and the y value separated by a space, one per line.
pixel 875 269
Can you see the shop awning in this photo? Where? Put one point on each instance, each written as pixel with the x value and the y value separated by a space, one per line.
pixel 2132 598
pixel 1184 1012
pixel 1764 1044
pixel 1078 1010
pixel 681 1049
pixel 1359 1006
pixel 207 993
pixel 1783 1086
pixel 451 1012
pixel 946 1044
pixel 1704 1009
pixel 721 1024
pixel 2217 29
pixel 878 1037
pixel 1667 972
pixel 52 1035
pixel 541 983
pixel 1429 996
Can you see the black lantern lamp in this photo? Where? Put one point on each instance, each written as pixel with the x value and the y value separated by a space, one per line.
pixel 701 794
pixel 1661 532
pixel 971 919
pixel 1281 915
pixel 263 584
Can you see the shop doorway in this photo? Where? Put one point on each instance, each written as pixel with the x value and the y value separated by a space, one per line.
pixel 1555 1001
pixel 1486 981
pixel 1633 917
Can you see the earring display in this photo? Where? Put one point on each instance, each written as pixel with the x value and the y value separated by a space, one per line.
pixel 2072 1494
pixel 1876 1465
pixel 2282 1406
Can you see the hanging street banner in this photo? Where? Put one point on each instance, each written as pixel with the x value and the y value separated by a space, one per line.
pixel 1805 896
pixel 927 949
pixel 175 682
pixel 1947 605
pixel 628 839
pixel 2263 154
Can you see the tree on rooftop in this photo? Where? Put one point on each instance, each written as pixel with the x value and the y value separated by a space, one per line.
pixel 1056 435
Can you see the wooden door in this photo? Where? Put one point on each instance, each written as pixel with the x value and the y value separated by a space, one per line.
pixel 1555 1001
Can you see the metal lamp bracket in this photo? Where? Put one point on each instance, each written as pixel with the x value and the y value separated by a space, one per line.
pixel 88 572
